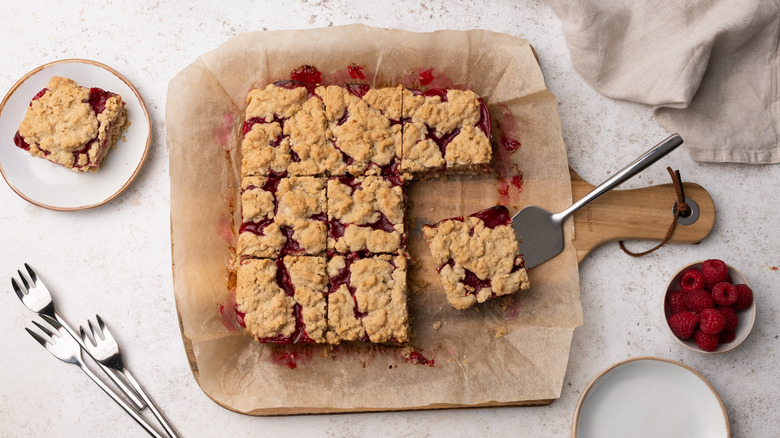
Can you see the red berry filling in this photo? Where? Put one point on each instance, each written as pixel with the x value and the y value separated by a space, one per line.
pixel 494 216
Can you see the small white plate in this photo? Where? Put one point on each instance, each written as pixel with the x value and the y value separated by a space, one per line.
pixel 650 397
pixel 55 187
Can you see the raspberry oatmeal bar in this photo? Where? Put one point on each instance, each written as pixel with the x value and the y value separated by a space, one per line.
pixel 283 301
pixel 477 257
pixel 284 132
pixel 363 126
pixel 72 126
pixel 445 131
pixel 366 214
pixel 367 299
pixel 282 216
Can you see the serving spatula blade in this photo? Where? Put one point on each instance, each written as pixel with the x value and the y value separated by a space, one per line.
pixel 541 232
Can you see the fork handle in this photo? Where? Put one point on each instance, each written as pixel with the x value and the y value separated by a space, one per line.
pixel 150 403
pixel 126 390
pixel 129 409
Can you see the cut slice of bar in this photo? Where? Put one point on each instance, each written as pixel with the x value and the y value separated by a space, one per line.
pixel 284 132
pixel 364 125
pixel 283 301
pixel 366 214
pixel 282 216
pixel 367 299
pixel 71 125
pixel 445 131
pixel 477 257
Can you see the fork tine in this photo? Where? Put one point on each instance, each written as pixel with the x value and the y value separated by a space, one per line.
pixel 44 329
pixel 54 323
pixel 24 280
pixel 93 331
pixel 33 276
pixel 36 336
pixel 17 289
pixel 83 333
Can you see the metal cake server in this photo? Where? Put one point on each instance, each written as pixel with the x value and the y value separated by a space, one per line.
pixel 541 232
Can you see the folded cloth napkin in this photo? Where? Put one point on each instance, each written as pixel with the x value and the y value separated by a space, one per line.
pixel 708 67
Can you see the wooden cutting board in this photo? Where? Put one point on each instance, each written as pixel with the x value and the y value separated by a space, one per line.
pixel 637 214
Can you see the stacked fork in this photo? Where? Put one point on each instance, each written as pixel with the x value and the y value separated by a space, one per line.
pixel 65 344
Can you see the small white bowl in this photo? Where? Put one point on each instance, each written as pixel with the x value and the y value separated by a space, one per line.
pixel 746 317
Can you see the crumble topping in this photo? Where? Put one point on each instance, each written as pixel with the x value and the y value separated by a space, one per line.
pixel 360 131
pixel 469 246
pixel 299 201
pixel 366 213
pixel 470 146
pixel 63 127
pixel 256 202
pixel 274 101
pixel 461 108
pixel 373 301
pixel 267 309
pixel 307 275
pixel 261 153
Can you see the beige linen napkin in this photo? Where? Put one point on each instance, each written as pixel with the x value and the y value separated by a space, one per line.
pixel 709 68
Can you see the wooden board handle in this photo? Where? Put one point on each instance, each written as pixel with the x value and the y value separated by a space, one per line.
pixel 637 214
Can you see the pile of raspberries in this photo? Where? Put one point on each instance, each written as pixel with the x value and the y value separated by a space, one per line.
pixel 706 307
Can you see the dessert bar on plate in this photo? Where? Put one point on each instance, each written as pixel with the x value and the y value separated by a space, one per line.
pixel 477 256
pixel 72 126
pixel 366 214
pixel 282 216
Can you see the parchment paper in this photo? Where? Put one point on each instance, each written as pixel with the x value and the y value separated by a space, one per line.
pixel 507 351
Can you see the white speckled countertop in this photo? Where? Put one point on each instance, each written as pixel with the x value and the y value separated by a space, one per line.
pixel 115 259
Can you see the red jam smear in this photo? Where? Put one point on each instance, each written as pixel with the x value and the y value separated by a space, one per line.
pixel 484 122
pixel 307 74
pixel 39 95
pixel 19 142
pixel 494 216
pixel 240 316
pixel 426 76
pixel 255 120
pixel 257 228
pixel 98 98
pixel 416 358
pixel 441 92
pixel 509 144
pixel 292 84
pixel 470 279
pixel 358 90
pixel 356 71
pixel 336 228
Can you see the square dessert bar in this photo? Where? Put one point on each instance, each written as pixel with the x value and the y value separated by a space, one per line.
pixel 477 257
pixel 364 125
pixel 366 214
pixel 71 125
pixel 282 216
pixel 283 301
pixel 284 132
pixel 367 299
pixel 445 131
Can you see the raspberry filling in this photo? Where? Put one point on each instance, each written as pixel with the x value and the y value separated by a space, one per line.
pixel 494 216
pixel 446 138
pixel 307 74
pixel 344 277
pixel 337 228
pixel 358 90
pixel 299 335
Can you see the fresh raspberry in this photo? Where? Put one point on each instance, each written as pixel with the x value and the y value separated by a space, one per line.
pixel 706 341
pixel 711 321
pixel 726 336
pixel 732 320
pixel 692 279
pixel 698 300
pixel 724 294
pixel 676 301
pixel 683 323
pixel 745 298
pixel 714 271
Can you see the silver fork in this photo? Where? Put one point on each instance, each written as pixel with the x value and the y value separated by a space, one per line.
pixel 36 296
pixel 104 349
pixel 66 349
